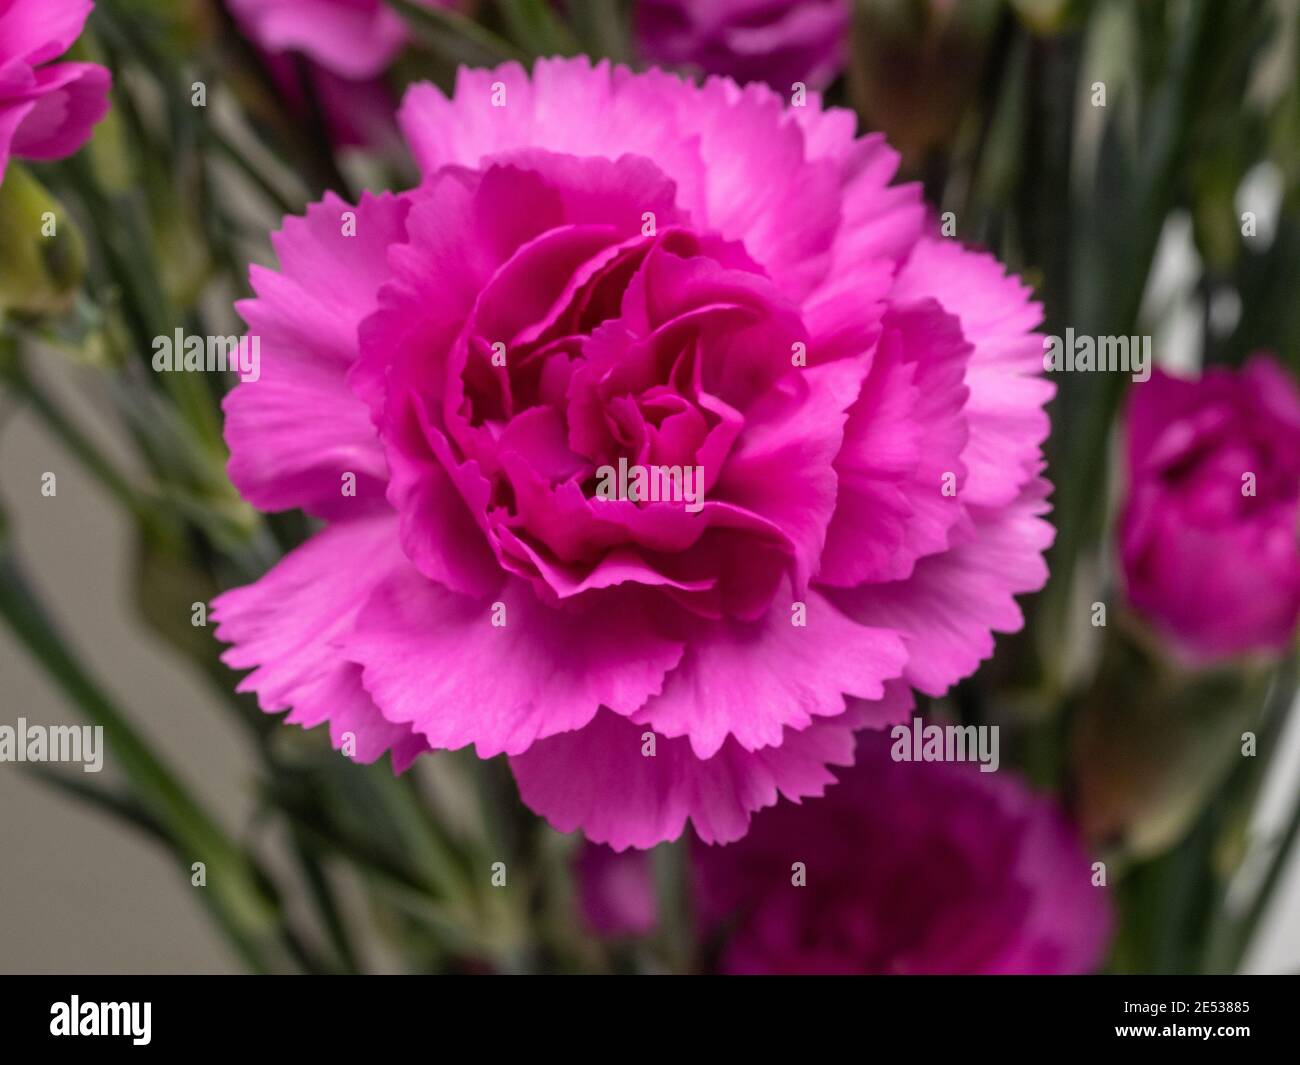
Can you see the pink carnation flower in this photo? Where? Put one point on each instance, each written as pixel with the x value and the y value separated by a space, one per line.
pixel 777 41
pixel 1207 538
pixel 47 109
pixel 602 267
pixel 908 867
pixel 355 39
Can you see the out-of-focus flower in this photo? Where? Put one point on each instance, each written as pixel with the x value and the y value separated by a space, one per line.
pixel 355 39
pixel 777 41
pixel 47 109
pixel 1208 535
pixel 602 277
pixel 907 867
pixel 346 45
pixel 360 113
pixel 616 891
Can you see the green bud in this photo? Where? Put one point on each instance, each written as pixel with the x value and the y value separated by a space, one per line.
pixel 43 256
pixel 1150 745
pixel 916 65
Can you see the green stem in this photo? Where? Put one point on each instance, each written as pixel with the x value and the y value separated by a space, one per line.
pixel 86 452
pixel 1259 904
pixel 534 24
pixel 434 25
pixel 1109 301
pixel 1230 934
pixel 264 184
pixel 322 894
pixel 237 890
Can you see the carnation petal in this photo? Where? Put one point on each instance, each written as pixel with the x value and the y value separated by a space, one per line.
pixel 904 437
pixel 353 40
pixel 298 429
pixel 461 670
pixel 68 99
pixel 288 627
pixel 752 680
pixel 949 608
pixel 596 778
pixel 709 140
pixel 37 31
pixel 1007 391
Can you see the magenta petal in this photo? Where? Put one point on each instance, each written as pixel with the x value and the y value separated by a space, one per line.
pixel 351 38
pixel 1007 390
pixel 710 140
pixel 881 221
pixel 438 498
pixel 782 467
pixel 905 435
pixel 297 430
pixel 69 98
pixel 436 661
pixel 287 627
pixel 11 117
pixel 36 31
pixel 949 608
pixel 598 780
pixel 752 681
